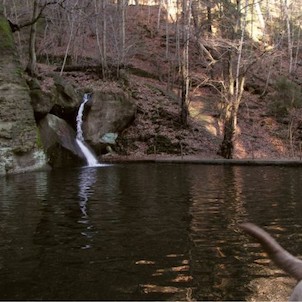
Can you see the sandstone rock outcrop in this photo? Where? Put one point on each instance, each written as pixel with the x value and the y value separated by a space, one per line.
pixel 108 112
pixel 19 150
pixel 22 142
pixel 41 101
pixel 58 139
pixel 65 99
pixel 61 99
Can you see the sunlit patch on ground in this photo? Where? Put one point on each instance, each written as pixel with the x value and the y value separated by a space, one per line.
pixel 271 289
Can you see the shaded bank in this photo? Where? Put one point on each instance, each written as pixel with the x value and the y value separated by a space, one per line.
pixel 199 160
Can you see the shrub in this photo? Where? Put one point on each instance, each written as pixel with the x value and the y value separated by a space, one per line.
pixel 288 95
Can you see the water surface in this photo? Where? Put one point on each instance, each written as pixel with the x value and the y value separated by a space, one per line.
pixel 145 232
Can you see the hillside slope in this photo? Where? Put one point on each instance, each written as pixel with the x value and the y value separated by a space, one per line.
pixel 154 83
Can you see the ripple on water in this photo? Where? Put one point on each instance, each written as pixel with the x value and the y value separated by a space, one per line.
pixel 145 232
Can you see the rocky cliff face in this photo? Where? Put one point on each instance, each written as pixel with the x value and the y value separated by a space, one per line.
pixel 19 150
pixel 110 112
pixel 59 142
pixel 23 145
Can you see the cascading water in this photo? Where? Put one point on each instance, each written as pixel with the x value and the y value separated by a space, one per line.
pixel 90 158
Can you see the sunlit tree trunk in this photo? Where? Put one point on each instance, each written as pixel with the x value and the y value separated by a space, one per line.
pixel 233 99
pixel 234 81
pixel 298 45
pixel 185 80
pixel 167 29
pixel 159 13
pixel 289 36
pixel 209 16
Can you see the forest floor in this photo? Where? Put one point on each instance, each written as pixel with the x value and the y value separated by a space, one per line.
pixel 157 132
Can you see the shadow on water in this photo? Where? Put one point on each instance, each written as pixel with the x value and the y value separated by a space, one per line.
pixel 146 232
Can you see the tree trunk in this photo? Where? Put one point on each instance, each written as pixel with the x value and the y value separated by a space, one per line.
pixel 72 20
pixel 32 62
pixel 289 37
pixel 234 80
pixel 104 63
pixel 159 13
pixel 230 122
pixel 101 44
pixel 209 16
pixel 185 63
pixel 122 30
pixel 227 145
pixel 184 99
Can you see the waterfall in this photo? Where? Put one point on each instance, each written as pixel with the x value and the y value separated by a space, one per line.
pixel 90 158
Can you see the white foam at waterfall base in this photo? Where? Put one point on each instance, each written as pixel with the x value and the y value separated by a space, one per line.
pixel 90 158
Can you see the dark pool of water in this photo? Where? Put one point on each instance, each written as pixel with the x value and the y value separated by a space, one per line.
pixel 143 231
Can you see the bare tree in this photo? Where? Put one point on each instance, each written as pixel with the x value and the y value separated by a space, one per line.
pixel 185 80
pixel 37 11
pixel 233 86
pixel 159 13
pixel 32 62
pixel 289 36
pixel 101 40
pixel 122 5
pixel 72 20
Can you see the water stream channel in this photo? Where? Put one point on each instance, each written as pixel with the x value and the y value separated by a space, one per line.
pixel 146 232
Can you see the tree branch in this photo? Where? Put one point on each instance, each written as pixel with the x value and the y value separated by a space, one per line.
pixel 16 27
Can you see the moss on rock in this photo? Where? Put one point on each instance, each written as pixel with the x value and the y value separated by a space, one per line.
pixel 6 38
pixel 18 129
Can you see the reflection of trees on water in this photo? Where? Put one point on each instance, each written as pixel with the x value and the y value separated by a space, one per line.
pixel 163 231
pixel 151 223
pixel 173 279
pixel 41 184
pixel 276 195
pixel 216 210
pixel 225 259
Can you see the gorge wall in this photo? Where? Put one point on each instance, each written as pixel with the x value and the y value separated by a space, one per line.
pixel 37 125
pixel 19 137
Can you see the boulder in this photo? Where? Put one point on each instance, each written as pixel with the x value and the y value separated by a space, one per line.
pixel 109 138
pixel 19 151
pixel 59 142
pixel 61 99
pixel 64 96
pixel 107 112
pixel 41 101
